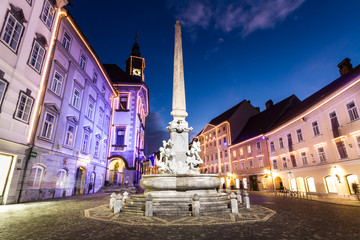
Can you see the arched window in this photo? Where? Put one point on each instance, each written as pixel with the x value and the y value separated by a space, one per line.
pixel 300 184
pixel 330 182
pixel 310 184
pixel 293 184
pixel 353 182
pixel 36 176
pixel 61 178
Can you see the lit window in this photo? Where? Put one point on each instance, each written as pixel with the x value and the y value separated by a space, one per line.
pixel 225 143
pixel 331 184
pixel 340 145
pixel 23 108
pixel 12 32
pixel 48 126
pixel 57 83
pixel 275 165
pixel 241 152
pixel 272 146
pixel 3 87
pixel 61 178
pixel 315 127
pixel 353 183
pixel 36 176
pixel 311 184
pixel 249 148
pixel 281 143
pixel 242 164
pixel 299 135
pixel 293 184
pixel 76 98
pixel 352 110
pixel 47 15
pixel 85 143
pixel 322 156
pixel 37 56
pixel 66 41
pixel 82 61
pixel 261 162
pixel 234 153
pixel 304 158
pixel 69 135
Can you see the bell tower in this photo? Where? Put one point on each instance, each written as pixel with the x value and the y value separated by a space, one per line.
pixel 135 64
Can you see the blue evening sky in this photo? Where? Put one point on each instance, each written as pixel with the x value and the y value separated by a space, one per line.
pixel 233 50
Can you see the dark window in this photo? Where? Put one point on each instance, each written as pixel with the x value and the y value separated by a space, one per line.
pixel 341 148
pixel 120 137
pixel 123 103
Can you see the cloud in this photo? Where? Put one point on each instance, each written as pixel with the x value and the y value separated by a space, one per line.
pixel 246 16
pixel 155 132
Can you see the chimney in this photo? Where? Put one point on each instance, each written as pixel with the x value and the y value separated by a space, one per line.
pixel 345 66
pixel 269 104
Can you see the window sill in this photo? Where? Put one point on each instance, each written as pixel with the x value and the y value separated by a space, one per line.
pixel 46 139
pixel 68 147
pixel 122 110
pixel 355 120
pixel 55 94
pixel 320 134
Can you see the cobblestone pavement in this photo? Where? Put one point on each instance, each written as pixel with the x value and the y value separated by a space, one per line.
pixel 65 219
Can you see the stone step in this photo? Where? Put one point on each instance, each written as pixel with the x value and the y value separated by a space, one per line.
pixel 172 213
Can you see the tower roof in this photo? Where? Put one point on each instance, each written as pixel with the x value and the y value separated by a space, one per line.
pixel 136 48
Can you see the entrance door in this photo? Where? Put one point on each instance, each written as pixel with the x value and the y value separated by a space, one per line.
pixel 5 166
pixel 116 172
pixel 253 182
pixel 80 181
pixel 278 183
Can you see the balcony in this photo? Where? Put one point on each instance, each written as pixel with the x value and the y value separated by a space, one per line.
pixel 118 148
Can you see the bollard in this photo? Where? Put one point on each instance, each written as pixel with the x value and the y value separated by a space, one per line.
pixel 125 196
pixel 246 200
pixel 195 205
pixel 234 203
pixel 112 201
pixel 149 206
pixel 238 196
pixel 118 203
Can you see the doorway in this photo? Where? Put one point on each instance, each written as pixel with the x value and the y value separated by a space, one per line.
pixel 116 172
pixel 253 183
pixel 279 183
pixel 80 181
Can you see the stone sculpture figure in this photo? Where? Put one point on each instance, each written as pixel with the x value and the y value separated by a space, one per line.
pixel 167 157
pixel 193 159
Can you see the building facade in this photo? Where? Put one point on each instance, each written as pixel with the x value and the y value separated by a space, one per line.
pixel 26 40
pixel 129 111
pixel 69 154
pixel 216 137
pixel 316 147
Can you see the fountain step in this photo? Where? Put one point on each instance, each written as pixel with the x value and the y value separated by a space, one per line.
pixel 139 213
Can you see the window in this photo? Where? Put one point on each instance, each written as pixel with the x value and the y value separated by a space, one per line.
pixel 104 149
pixel 224 128
pixel 311 184
pixel 37 56
pixel 82 61
pixel 299 135
pixel 249 148
pixel 304 158
pixel 95 78
pixel 123 103
pixel 221 155
pixel 57 83
pixel 226 168
pixel 352 110
pixel 315 127
pixel 48 126
pixel 3 87
pixel 333 119
pixel 66 41
pixel 284 162
pixel 211 157
pixel 340 145
pixel 29 1
pixel 293 186
pixel 219 141
pixel 85 143
pixel 107 123
pixel 216 156
pixel 69 135
pixel 358 141
pixel 242 164
pixel 261 162
pixel 226 153
pixel 275 165
pixel 97 145
pixel 251 164
pixel 353 182
pixel 289 138
pixel 101 117
pixel 272 146
pixel 76 98
pixel 234 153
pixel 321 153
pixel 258 146
pixel 120 137
pixel 210 144
pixel 225 143
pixel 12 32
pixel 47 14
pixel 241 152
pixel 235 167
pixel 61 178
pixel 331 184
pixel 293 160
pixel 23 108
pixel 281 143
pixel 36 176
pixel 90 109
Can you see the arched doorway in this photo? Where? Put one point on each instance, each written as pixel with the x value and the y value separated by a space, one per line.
pixel 92 183
pixel 116 171
pixel 80 181
pixel 278 183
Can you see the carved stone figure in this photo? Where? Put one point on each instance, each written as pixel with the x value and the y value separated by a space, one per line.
pixel 193 159
pixel 167 157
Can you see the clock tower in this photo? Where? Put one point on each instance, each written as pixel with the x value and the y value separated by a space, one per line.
pixel 135 64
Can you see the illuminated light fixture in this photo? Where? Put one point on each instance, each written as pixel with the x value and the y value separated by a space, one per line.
pixel 261 155
pixel 225 144
pixel 340 137
pixel 263 137
pixel 356 132
pixel 43 77
pixel 316 107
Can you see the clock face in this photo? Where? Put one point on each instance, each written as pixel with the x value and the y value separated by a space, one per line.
pixel 136 72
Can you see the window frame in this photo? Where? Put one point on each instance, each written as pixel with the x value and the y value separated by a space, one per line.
pixel 61 178
pixel 124 136
pixel 90 110
pixel 321 155
pixel 66 134
pixel 2 97
pixel 18 104
pixel 281 143
pixel 51 10
pixel 299 135
pixel 304 163
pixel 65 42
pixel 82 60
pixel 317 127
pixel 76 88
pixel 85 143
pixel 11 36
pixel 354 109
pixel 37 179
pixel 53 124
pixel 61 83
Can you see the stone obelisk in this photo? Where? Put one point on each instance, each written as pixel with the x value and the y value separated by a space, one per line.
pixel 178 129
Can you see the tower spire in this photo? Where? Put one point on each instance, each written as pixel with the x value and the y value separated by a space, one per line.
pixel 178 100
